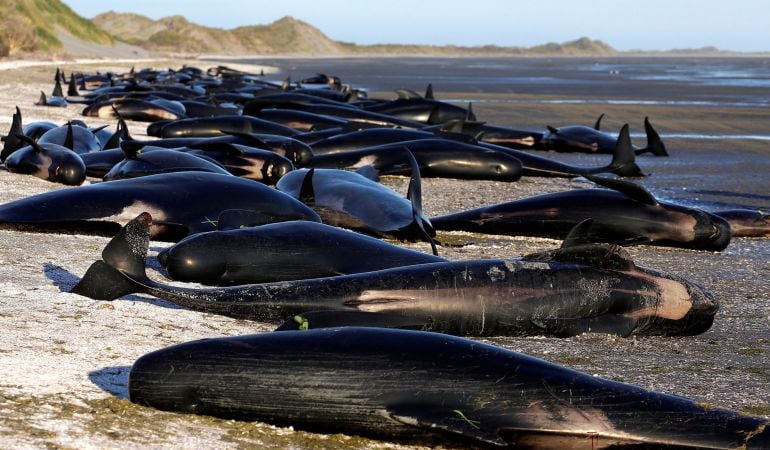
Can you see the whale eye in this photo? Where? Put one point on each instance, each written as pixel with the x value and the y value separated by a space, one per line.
pixel 498 169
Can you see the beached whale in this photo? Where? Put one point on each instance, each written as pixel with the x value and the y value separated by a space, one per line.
pixel 183 203
pixel 217 126
pixel 281 251
pixel 351 200
pixel 139 163
pixel 435 157
pixel 425 388
pixel 624 213
pixel 50 162
pixel 572 290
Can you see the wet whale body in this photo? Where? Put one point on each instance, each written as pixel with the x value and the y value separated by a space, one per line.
pixel 565 292
pixel 351 200
pixel 297 152
pixel 101 209
pixel 217 126
pixel 279 252
pixel 50 162
pixel 426 388
pixel 435 157
pixel 625 212
pixel 138 163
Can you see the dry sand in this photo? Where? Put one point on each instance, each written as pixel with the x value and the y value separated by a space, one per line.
pixel 64 359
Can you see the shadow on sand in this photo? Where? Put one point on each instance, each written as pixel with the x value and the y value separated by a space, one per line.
pixel 112 379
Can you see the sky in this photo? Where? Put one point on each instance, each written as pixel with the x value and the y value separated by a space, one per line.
pixel 739 25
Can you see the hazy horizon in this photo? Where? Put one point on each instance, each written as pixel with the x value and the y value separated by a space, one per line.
pixel 625 25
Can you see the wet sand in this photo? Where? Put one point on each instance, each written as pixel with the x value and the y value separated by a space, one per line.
pixel 64 359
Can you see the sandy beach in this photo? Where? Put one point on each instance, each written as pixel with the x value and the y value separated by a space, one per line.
pixel 64 359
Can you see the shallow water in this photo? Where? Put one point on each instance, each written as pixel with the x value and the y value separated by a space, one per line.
pixel 741 80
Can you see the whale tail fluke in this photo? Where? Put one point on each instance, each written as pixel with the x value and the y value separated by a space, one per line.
pixel 624 160
pixel 123 257
pixel 654 143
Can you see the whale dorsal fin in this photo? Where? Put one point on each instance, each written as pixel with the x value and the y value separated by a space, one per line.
pixel 552 129
pixel 69 140
pixel 578 235
pixel 72 88
pixel 429 92
pixel 433 118
pixel 11 142
pixel 654 143
pixel 286 84
pixel 42 101
pixel 414 195
pixel 630 190
pixel 470 116
pixel 57 92
pixel 623 158
pixel 306 192
pixel 598 124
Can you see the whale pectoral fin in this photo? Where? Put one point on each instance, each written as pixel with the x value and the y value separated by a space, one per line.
pixel 528 438
pixel 580 234
pixel 445 419
pixel 328 319
pixel 613 324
